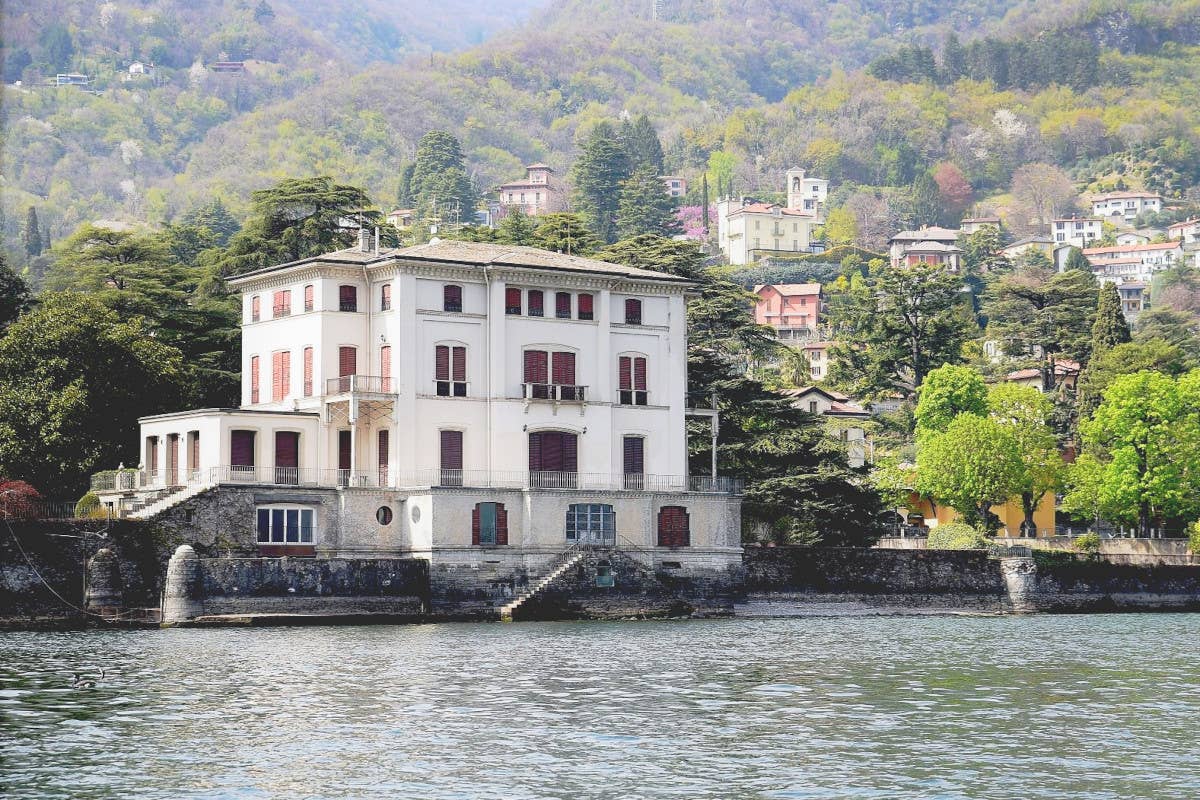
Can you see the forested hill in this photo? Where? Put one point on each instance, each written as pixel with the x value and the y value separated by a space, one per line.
pixel 742 89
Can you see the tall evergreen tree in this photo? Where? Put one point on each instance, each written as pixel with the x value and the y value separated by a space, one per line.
pixel 642 145
pixel 597 175
pixel 214 216
pixel 31 234
pixel 645 207
pixel 925 200
pixel 1110 328
pixel 404 195
pixel 954 59
pixel 1076 260
pixel 440 185
pixel 516 228
pixel 565 233
pixel 14 295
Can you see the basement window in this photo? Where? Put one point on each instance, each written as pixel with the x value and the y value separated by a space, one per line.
pixel 284 525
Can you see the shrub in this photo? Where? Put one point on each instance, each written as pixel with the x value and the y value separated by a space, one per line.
pixel 1194 538
pixel 1088 544
pixel 89 506
pixel 956 536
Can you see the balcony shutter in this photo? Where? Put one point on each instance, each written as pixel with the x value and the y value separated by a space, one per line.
pixel 347 360
pixel 385 297
pixel 281 303
pixel 460 364
pixel 634 448
pixel 287 449
pixel 564 368
pixel 241 448
pixel 570 459
pixel 475 525
pixel 633 312
pixel 383 451
pixel 308 372
pixel 441 366
pixel 535 303
pixel 512 301
pixel 535 366
pixel 562 305
pixel 385 367
pixel 452 298
pixel 501 524
pixel 347 298
pixel 585 306
pixel 625 378
pixel 253 379
pixel 639 374
pixel 452 450
pixel 308 297
pixel 535 452
pixel 345 440
pixel 255 308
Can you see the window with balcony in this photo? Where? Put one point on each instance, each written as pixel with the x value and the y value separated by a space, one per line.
pixel 385 297
pixel 452 298
pixel 489 524
pixel 347 298
pixel 253 380
pixel 553 459
pixel 585 303
pixel 450 370
pixel 550 376
pixel 562 305
pixel 536 307
pixel 308 297
pixel 512 301
pixel 631 381
pixel 451 458
pixel 633 459
pixel 281 304
pixel 255 308
pixel 385 368
pixel 633 312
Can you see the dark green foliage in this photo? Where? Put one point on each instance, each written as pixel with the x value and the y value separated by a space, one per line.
pixel 565 233
pixel 1110 328
pixel 440 186
pixel 785 272
pixel 74 379
pixel 641 144
pixel 14 295
pixel 1076 260
pixel 31 234
pixel 1155 355
pixel 515 228
pixel 925 201
pixel 644 207
pixel 216 218
pixel 404 195
pixel 597 176
pixel 57 48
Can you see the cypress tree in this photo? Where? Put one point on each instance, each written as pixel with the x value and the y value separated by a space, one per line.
pixel 1110 328
pixel 597 175
pixel 643 147
pixel 31 234
pixel 645 207
pixel 1077 260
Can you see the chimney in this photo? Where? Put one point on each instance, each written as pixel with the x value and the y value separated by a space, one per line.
pixel 376 250
pixel 364 240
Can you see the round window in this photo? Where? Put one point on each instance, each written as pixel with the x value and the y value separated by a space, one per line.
pixel 416 513
pixel 384 515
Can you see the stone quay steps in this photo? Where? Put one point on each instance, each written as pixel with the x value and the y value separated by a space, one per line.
pixel 572 560
pixel 164 502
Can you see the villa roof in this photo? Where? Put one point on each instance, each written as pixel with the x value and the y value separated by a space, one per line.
pixel 1131 248
pixel 1123 196
pixel 767 208
pixel 932 247
pixel 927 234
pixel 791 289
pixel 839 404
pixel 1064 367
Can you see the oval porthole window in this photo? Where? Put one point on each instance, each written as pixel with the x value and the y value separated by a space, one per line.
pixel 416 514
pixel 384 515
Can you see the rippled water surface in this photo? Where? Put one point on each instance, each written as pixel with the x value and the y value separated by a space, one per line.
pixel 1005 707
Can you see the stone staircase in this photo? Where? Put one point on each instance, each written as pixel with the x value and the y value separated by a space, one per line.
pixel 160 500
pixel 560 566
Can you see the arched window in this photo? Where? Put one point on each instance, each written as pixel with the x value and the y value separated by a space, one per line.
pixel 450 370
pixel 308 297
pixel 281 304
pixel 633 312
pixel 489 524
pixel 673 527
pixel 452 298
pixel 347 298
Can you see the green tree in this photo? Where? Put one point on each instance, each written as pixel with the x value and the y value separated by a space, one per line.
pixel 1156 355
pixel 1110 328
pixel 74 379
pixel 565 233
pixel 954 59
pixel 1174 327
pixel 840 228
pixel 14 295
pixel 642 145
pixel 971 466
pixel 57 47
pixel 1027 413
pixel 1036 310
pixel 644 207
pixel 597 176
pixel 1141 452
pixel 31 234
pixel 1076 260
pixel 214 216
pixel 440 185
pixel 895 326
pixel 682 258
pixel 981 252
pixel 945 393
pixel 404 195
pixel 516 228
pixel 925 201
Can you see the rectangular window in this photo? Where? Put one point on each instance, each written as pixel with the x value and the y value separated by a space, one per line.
pixel 281 304
pixel 450 371
pixel 385 297
pixel 562 305
pixel 348 298
pixel 512 301
pixel 308 297
pixel 452 298
pixel 673 527
pixel 633 459
pixel 385 368
pixel 152 454
pixel 633 312
pixel 536 308
pixel 383 455
pixel 284 526
pixel 255 308
pixel 347 368
pixel 591 523
pixel 585 306
pixel 563 375
pixel 281 375
pixel 536 375
pixel 308 372
pixel 241 451
pixel 253 380
pixel 194 451
pixel 489 524
pixel 451 458
pixel 631 381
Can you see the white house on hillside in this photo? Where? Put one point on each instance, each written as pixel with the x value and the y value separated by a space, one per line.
pixel 1126 205
pixel 748 230
pixel 1076 231
pixel 452 396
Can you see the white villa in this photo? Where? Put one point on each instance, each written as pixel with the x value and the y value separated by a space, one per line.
pixel 1077 231
pixel 449 399
pixel 748 230
pixel 1126 205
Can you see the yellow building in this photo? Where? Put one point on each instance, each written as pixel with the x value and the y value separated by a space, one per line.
pixel 1011 515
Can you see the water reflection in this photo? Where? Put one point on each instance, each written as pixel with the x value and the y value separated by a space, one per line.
pixel 1039 707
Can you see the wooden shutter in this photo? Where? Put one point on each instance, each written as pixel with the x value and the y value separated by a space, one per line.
pixel 441 365
pixel 452 298
pixel 552 460
pixel 564 368
pixel 639 374
pixel 562 305
pixel 194 455
pixel 512 301
pixel 281 378
pixel 287 449
pixel 345 440
pixel 385 297
pixel 535 366
pixel 347 360
pixel 475 525
pixel 241 448
pixel 673 527
pixel 585 306
pixel 385 367
pixel 308 297
pixel 452 450
pixel 152 454
pixel 347 298
pixel 535 303
pixel 634 454
pixel 633 312
pixel 570 453
pixel 253 379
pixel 501 524
pixel 255 308
pixel 308 372
pixel 384 443
pixel 625 376
pixel 459 372
pixel 281 303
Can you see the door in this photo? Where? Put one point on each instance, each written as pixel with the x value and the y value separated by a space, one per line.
pixel 344 446
pixel 633 456
pixel 287 457
pixel 173 459
pixel 451 458
pixel 347 367
pixel 241 454
pixel 553 460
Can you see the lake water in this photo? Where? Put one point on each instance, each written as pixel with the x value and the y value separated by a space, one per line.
pixel 884 707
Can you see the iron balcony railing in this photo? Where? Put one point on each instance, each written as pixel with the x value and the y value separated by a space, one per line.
pixel 479 479
pixel 566 393
pixel 367 384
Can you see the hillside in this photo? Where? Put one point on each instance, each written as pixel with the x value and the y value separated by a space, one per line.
pixel 737 87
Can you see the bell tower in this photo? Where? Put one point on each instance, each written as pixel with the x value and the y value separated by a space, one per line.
pixel 795 188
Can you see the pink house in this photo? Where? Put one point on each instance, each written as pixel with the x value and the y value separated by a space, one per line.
pixel 792 309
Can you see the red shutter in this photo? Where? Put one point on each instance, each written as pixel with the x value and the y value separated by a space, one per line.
pixel 347 360
pixel 452 298
pixel 673 527
pixel 501 524
pixel 512 301
pixel 452 450
pixel 585 306
pixel 308 371
pixel 625 379
pixel 385 367
pixel 276 376
pixel 552 460
pixel 347 298
pixel 562 305
pixel 253 379
pixel 441 366
pixel 535 303
pixel 287 449
pixel 633 312
pixel 564 368
pixel 634 455
pixel 460 364
pixel 475 524
pixel 281 303
pixel 285 374
pixel 535 452
pixel 639 374
pixel 383 451
pixel 345 441
pixel 535 366
pixel 255 308
pixel 308 298
pixel 241 448
pixel 570 460
pixel 385 297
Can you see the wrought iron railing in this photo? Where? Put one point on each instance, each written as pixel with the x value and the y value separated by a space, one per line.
pixel 369 384
pixel 567 393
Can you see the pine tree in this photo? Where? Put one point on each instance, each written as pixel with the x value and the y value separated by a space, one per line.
pixel 597 175
pixel 516 228
pixel 215 217
pixel 925 200
pixel 439 182
pixel 1110 328
pixel 404 196
pixel 954 59
pixel 1077 260
pixel 642 145
pixel 565 233
pixel 645 207
pixel 31 234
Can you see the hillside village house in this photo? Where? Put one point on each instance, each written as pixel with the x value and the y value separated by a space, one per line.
pixel 1187 231
pixel 1076 231
pixel 1126 205
pixel 540 193
pixel 1127 238
pixel 675 185
pixel 929 245
pixel 1043 244
pixel 975 224
pixel 402 218
pixel 817 353
pixel 748 230
pixel 792 309
pixel 845 419
pixel 1137 261
pixel 453 401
